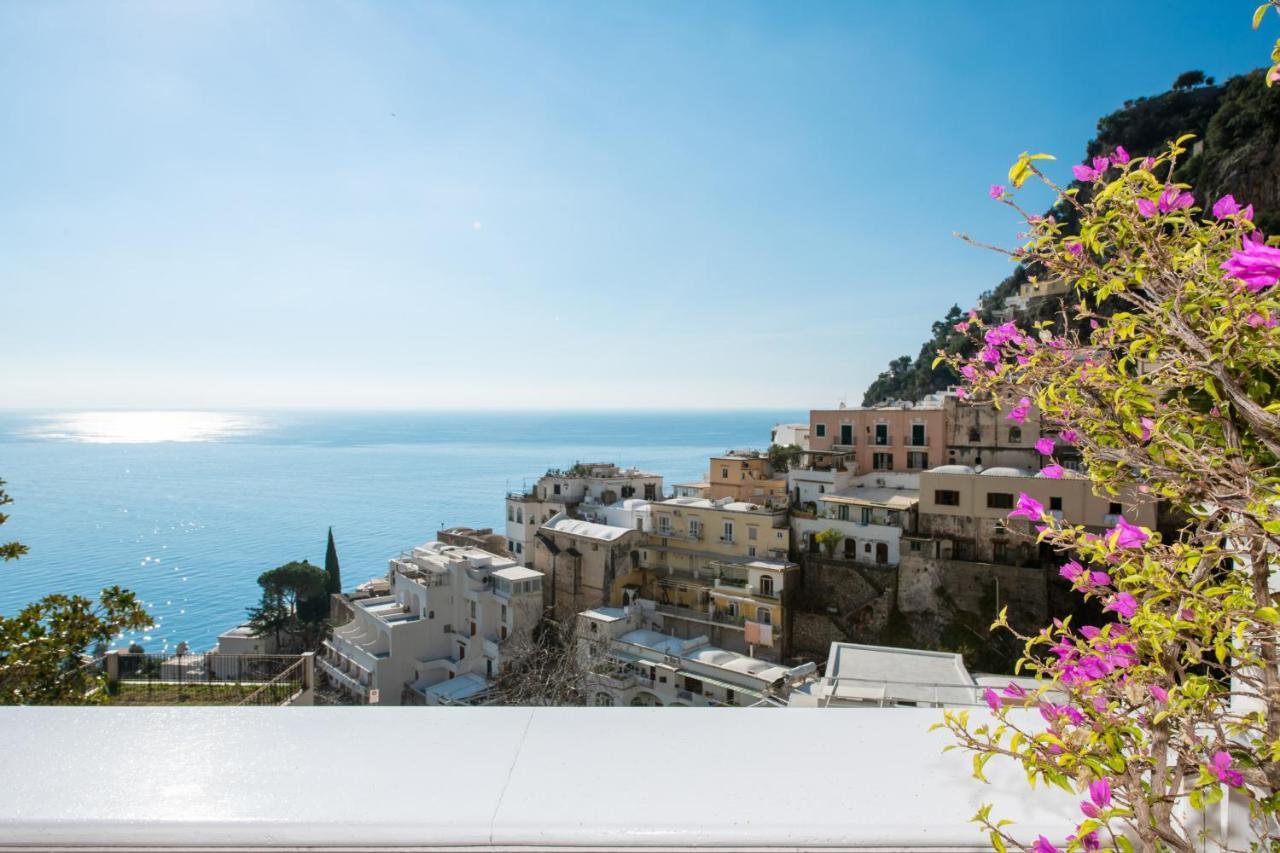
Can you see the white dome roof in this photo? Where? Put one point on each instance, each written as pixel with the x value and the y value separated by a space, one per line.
pixel 951 469
pixel 1006 472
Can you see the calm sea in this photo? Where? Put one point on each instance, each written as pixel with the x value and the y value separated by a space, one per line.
pixel 189 508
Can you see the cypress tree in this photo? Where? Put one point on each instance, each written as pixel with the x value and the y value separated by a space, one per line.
pixel 331 569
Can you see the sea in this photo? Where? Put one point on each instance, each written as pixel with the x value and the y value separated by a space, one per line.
pixel 187 509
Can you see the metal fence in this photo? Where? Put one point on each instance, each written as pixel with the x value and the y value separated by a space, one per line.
pixel 202 679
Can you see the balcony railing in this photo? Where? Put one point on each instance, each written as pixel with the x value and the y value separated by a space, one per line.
pixel 704 616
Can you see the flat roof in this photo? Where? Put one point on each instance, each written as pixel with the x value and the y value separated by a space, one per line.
pixel 605 614
pixel 878 496
pixel 587 529
pixel 517 573
pixel 910 675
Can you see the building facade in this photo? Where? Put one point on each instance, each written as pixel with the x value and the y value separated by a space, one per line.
pixel 902 437
pixel 448 613
pixel 585 562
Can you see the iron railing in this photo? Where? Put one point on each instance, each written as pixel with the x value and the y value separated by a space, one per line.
pixel 199 679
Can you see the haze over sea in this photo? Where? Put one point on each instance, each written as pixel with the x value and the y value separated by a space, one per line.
pixel 188 508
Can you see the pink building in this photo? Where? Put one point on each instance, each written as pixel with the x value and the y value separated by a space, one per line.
pixel 888 438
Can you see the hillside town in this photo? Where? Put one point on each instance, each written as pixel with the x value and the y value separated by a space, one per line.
pixel 858 560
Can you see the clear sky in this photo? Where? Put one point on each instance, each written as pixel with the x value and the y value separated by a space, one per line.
pixel 572 204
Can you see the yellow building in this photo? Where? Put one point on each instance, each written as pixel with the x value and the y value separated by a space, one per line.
pixel 718 567
pixel 740 475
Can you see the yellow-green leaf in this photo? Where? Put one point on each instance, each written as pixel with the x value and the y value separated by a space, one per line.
pixel 1258 13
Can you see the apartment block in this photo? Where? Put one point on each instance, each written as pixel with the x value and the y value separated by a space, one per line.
pixel 437 636
pixel 585 484
pixel 870 519
pixel 631 661
pixel 897 437
pixel 584 562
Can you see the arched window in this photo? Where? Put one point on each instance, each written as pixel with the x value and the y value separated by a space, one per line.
pixel 1015 435
pixel 603 700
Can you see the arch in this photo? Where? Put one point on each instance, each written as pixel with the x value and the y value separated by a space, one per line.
pixel 644 699
pixel 602 700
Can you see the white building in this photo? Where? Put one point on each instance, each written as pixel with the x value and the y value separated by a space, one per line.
pixel 584 485
pixel 880 676
pixel 446 618
pixel 632 513
pixel 786 435
pixel 633 663
pixel 870 519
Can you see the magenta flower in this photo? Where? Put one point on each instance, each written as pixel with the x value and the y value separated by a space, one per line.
pixel 1257 265
pixel 1076 249
pixel 1069 436
pixel 1225 206
pixel 1256 320
pixel 1071 570
pixel 1158 693
pixel 1099 578
pixel 1089 841
pixel 1019 412
pixel 1045 446
pixel 993 699
pixel 1146 207
pixel 1247 213
pixel 990 355
pixel 1120 157
pixel 1122 604
pixel 1100 793
pixel 1028 508
pixel 1084 173
pixel 1014 691
pixel 1101 164
pixel 1126 535
pixel 1148 426
pixel 1220 767
pixel 1175 199
pixel 1148 163
pixel 1053 472
pixel 1042 845
pixel 996 191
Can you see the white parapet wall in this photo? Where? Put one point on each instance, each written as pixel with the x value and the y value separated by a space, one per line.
pixel 499 779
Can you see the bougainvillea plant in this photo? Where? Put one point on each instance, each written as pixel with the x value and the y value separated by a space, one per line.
pixel 1163 377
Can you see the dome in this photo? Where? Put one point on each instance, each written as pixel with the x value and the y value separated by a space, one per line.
pixel 951 469
pixel 1005 472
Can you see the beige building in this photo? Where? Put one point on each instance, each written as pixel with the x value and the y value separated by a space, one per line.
pixel 745 475
pixel 980 435
pixel 965 512
pixel 584 562
pixel 718 568
pixel 902 437
pixel 573 491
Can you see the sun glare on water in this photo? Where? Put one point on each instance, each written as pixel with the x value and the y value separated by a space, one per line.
pixel 145 427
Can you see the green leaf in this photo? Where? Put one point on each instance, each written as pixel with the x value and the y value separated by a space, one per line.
pixel 1258 13
pixel 997 843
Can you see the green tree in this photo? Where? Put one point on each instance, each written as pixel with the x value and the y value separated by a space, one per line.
pixel 1189 80
pixel 829 539
pixel 782 457
pixel 43 649
pixel 332 572
pixel 287 609
pixel 9 550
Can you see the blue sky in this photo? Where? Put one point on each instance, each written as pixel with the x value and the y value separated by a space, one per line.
pixel 581 205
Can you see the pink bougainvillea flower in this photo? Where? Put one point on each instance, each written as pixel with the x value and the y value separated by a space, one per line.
pixel 1043 845
pixel 996 191
pixel 1148 163
pixel 1247 213
pixel 968 371
pixel 1146 207
pixel 1220 767
pixel 1071 570
pixel 1175 199
pixel 1120 157
pixel 1045 445
pixel 1019 412
pixel 1257 320
pixel 1257 265
pixel 1076 249
pixel 1028 508
pixel 1148 426
pixel 1123 604
pixel 1084 173
pixel 1069 436
pixel 1099 578
pixel 1089 841
pixel 1053 472
pixel 1100 793
pixel 990 355
pixel 1014 691
pixel 1225 206
pixel 1158 693
pixel 1100 164
pixel 992 698
pixel 1126 535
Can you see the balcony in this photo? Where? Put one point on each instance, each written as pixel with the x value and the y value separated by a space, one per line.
pixel 538 783
pixel 702 616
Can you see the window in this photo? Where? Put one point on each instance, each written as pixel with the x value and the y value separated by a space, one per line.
pixel 867 515
pixel 1055 504
pixel 1015 435
pixel 999 500
pixel 820 430
pixel 917 435
pixel 511 513
pixel 882 461
pixel 1000 551
pixel 472 606
pixel 504 613
pixel 917 459
pixel 693 685
pixel 728 697
pixel 1114 508
pixel 751 550
pixel 462 650
pixel 974 435
pixel 556 488
pixel 882 434
pixel 846 433
pixel 751 532
pixel 724 473
pixel 731 608
pixel 766 585
pixel 664 524
pixel 695 529
pixel 727 536
pixel 603 700
pixel 764 616
pixel 915 546
pixel 842 512
pixel 946 497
